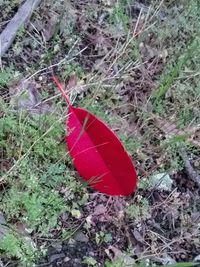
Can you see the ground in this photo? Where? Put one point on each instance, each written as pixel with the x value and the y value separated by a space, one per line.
pixel 136 65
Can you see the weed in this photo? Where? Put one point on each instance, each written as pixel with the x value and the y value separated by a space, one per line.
pixel 5 75
pixel 40 135
pixel 131 143
pixel 90 261
pixel 39 172
pixel 72 68
pixel 103 237
pixel 113 264
pixel 119 16
pixel 138 211
pixel 21 247
pixel 40 207
pixel 175 71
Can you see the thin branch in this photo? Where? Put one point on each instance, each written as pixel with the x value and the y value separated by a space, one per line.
pixel 9 33
pixel 193 175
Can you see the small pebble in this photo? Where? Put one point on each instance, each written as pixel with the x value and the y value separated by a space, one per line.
pixel 66 259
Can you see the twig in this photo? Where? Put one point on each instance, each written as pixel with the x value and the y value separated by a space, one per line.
pixel 9 33
pixel 189 169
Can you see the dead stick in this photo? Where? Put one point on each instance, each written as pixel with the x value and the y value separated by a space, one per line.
pixel 193 175
pixel 23 14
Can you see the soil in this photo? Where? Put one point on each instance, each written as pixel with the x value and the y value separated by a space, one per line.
pixel 170 229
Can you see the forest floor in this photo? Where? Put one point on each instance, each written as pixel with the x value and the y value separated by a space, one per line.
pixel 136 65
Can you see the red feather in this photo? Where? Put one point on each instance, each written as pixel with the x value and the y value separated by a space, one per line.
pixel 97 153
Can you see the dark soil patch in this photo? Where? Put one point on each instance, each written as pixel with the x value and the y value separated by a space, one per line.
pixel 169 214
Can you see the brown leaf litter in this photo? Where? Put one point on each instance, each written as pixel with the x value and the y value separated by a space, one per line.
pixel 26 96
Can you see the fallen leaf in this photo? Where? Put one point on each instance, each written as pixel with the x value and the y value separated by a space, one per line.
pixel 23 229
pixel 50 26
pixel 81 237
pixel 100 209
pixel 161 181
pixel 116 254
pixel 92 149
pixel 138 237
pixel 72 82
pixel 26 96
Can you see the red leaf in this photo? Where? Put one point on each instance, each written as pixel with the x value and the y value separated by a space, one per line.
pixel 97 153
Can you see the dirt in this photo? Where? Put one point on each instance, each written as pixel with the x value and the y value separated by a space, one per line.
pixel 169 214
pixel 171 226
